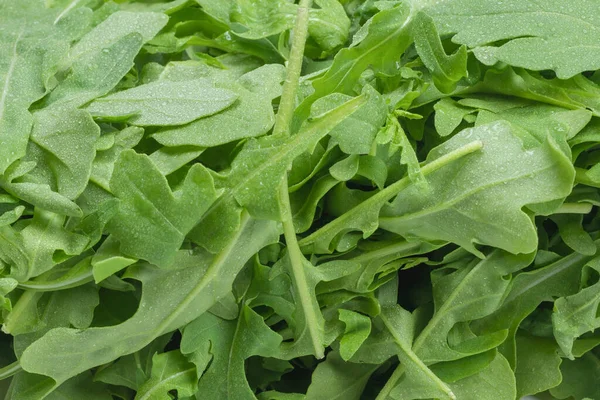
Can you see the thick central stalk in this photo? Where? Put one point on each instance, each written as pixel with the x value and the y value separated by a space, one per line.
pixel 283 120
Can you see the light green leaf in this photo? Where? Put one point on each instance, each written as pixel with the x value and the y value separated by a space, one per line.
pixel 538 365
pixel 455 288
pixel 132 370
pixel 363 213
pixel 170 371
pixel 164 103
pixel 387 35
pixel 152 221
pixel 579 378
pixel 337 380
pixel 95 74
pixel 328 24
pixel 356 331
pixel 104 163
pixel 28 39
pixel 41 240
pixel 495 382
pixel 528 289
pixel 257 172
pixel 307 320
pixel 573 234
pixel 550 35
pixel 114 28
pixel 474 209
pixel 231 343
pixel 446 70
pixel 108 260
pixel 251 115
pixel 37 312
pixel 355 135
pixel 55 139
pixel 448 115
pixel 577 314
pixel 418 381
pixel 194 290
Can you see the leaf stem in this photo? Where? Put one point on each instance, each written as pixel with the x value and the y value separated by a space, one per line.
pixel 574 208
pixel 390 191
pixel 283 120
pixel 10 370
pixel 296 257
pixel 287 104
pixel 52 286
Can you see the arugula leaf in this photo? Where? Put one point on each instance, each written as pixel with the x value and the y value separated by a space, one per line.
pixel 298 199
pixel 231 343
pixel 163 103
pixel 539 36
pixel 152 221
pixel 335 379
pixel 193 293
pixel 170 371
pixel 446 70
pixel 453 214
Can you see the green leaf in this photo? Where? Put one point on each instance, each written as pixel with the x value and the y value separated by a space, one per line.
pixel 256 174
pixel 448 115
pixel 381 42
pixel 55 137
pixel 335 379
pixel 573 234
pixel 250 116
pixel 104 163
pixel 576 314
pixel 195 289
pixel 43 240
pixel 544 174
pixel 103 56
pixel 355 135
pixel 308 321
pixel 170 371
pixel 419 381
pixel 164 103
pixel 328 24
pixel 356 331
pixel 579 378
pixel 133 370
pixel 363 215
pixel 38 312
pixel 455 288
pixel 108 260
pixel 544 36
pixel 495 382
pixel 152 221
pixel 528 289
pixel 30 39
pixel 31 387
pixel 538 365
pixel 231 343
pixel 445 70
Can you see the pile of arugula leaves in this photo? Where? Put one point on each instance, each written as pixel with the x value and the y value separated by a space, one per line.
pixel 279 200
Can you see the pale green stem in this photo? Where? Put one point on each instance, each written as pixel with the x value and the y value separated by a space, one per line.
pixel 391 383
pixel 574 208
pixel 52 286
pixel 10 370
pixel 283 120
pixel 287 103
pixel 300 281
